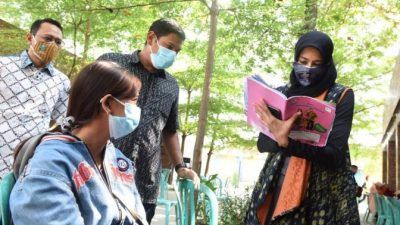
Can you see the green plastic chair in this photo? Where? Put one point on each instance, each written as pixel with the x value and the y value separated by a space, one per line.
pixel 220 189
pixel 187 204
pixel 164 183
pixel 379 209
pixel 394 204
pixel 217 182
pixel 211 202
pixel 387 210
pixel 163 197
pixel 6 185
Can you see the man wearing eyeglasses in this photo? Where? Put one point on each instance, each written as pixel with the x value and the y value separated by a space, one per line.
pixel 32 92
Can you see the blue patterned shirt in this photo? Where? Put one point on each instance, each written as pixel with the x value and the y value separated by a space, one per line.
pixel 29 99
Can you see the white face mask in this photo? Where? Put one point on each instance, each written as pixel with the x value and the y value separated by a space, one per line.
pixel 164 57
pixel 122 126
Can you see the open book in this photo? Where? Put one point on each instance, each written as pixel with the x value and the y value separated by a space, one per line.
pixel 312 127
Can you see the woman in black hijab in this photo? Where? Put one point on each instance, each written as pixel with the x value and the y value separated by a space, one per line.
pixel 300 183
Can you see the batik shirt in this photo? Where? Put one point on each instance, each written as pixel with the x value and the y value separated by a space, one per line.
pixel 29 99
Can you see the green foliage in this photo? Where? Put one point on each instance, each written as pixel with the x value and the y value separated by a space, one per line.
pixel 235 179
pixel 366 158
pixel 201 206
pixel 233 209
pixel 12 39
pixel 210 181
pixel 252 36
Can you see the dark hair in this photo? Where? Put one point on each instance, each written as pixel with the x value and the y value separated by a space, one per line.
pixel 94 82
pixel 163 27
pixel 36 25
pixel 354 166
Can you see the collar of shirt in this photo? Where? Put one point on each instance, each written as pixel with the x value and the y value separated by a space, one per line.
pixel 26 61
pixel 135 60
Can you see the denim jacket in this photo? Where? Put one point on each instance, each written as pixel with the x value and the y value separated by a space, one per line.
pixel 62 185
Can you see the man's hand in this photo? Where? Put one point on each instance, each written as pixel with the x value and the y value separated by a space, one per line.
pixel 187 173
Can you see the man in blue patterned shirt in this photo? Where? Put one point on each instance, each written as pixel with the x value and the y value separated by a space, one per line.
pixel 32 92
pixel 158 100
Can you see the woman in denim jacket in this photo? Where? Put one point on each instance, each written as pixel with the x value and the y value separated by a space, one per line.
pixel 78 177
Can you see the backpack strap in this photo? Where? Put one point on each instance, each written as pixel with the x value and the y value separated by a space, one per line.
pixel 336 93
pixel 283 89
pixel 24 151
pixel 26 148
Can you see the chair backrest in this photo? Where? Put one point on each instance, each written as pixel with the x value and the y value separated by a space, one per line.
pixel 6 185
pixel 187 204
pixel 386 208
pixel 394 204
pixel 211 200
pixel 217 182
pixel 179 211
pixel 378 204
pixel 164 183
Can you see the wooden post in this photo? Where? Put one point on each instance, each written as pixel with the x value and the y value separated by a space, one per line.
pixel 398 157
pixel 384 164
pixel 391 159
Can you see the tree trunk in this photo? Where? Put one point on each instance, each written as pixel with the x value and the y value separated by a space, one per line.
pixel 74 59
pixel 311 15
pixel 209 154
pixel 184 135
pixel 76 28
pixel 201 128
pixel 210 151
pixel 87 35
pixel 189 95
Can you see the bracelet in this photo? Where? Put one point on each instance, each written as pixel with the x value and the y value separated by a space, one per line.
pixel 180 165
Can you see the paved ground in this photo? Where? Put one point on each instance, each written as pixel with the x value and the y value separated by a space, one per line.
pixel 362 209
pixel 159 218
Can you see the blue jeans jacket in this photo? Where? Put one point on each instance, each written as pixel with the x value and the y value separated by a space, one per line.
pixel 62 185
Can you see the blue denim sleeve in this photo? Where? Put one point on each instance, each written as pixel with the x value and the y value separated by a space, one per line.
pixel 138 203
pixel 43 194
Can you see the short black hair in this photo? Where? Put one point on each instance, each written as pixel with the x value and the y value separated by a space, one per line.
pixel 163 27
pixel 36 25
pixel 354 166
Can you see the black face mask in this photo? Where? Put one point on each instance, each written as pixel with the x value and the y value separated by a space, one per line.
pixel 307 75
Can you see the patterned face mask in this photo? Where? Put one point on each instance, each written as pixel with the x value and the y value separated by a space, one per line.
pixel 307 75
pixel 45 51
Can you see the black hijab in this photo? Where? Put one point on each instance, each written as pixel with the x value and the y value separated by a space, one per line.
pixel 324 45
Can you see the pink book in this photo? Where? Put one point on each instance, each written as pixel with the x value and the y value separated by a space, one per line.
pixel 312 128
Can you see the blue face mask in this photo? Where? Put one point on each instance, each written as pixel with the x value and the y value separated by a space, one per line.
pixel 164 57
pixel 307 75
pixel 121 126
